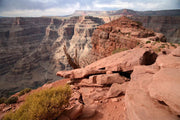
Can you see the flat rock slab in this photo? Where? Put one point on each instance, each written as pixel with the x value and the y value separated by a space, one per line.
pixel 123 61
pixel 166 87
pixel 117 89
pixel 176 52
pixel 107 79
pixel 168 61
pixel 138 102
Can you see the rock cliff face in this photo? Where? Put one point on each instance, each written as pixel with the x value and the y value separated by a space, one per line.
pixel 19 38
pixel 32 48
pixel 163 21
pixel 128 82
pixel 35 45
pixel 121 34
pixel 168 25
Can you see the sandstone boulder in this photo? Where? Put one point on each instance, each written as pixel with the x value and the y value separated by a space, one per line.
pixel 117 89
pixel 88 111
pixel 139 104
pixel 168 61
pixel 106 79
pixel 176 52
pixel 165 87
pixel 74 112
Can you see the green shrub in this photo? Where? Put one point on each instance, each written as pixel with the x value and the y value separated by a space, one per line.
pixel 2 100
pixel 153 43
pixel 119 50
pixel 162 46
pixel 173 45
pixel 157 50
pixel 22 92
pixel 43 105
pixel 141 45
pixel 11 100
pixel 138 43
pixel 148 42
pixel 139 23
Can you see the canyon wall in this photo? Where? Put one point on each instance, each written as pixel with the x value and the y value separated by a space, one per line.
pixel 121 34
pixel 168 25
pixel 162 21
pixel 31 49
pixel 19 37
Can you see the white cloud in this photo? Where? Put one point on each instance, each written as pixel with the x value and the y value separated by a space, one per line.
pixel 68 9
pixel 36 8
pixel 45 1
pixel 116 4
pixel 135 5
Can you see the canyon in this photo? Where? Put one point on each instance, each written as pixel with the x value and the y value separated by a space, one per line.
pixel 31 49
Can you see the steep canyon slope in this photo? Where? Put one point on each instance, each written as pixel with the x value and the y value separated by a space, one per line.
pixel 121 34
pixel 32 48
pixel 162 21
pixel 168 25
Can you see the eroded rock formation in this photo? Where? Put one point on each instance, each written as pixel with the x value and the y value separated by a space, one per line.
pixel 122 34
pixel 32 48
pixel 145 92
pixel 35 45
pixel 168 25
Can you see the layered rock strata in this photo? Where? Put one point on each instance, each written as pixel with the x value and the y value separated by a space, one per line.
pixel 32 48
pixel 145 91
pixel 35 45
pixel 121 34
pixel 168 25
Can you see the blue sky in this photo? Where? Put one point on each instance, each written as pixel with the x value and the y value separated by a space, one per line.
pixel 35 8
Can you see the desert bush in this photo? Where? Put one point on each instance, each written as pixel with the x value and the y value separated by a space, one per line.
pixel 157 50
pixel 141 45
pixel 153 43
pixel 148 42
pixel 119 50
pixel 43 105
pixel 139 23
pixel 11 100
pixel 2 100
pixel 162 46
pixel 173 45
pixel 22 92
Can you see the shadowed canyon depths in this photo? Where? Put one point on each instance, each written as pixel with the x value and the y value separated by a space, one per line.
pixel 31 49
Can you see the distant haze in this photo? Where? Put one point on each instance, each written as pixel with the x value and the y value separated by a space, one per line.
pixel 35 8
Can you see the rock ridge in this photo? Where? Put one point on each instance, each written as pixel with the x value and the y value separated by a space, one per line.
pixel 151 91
